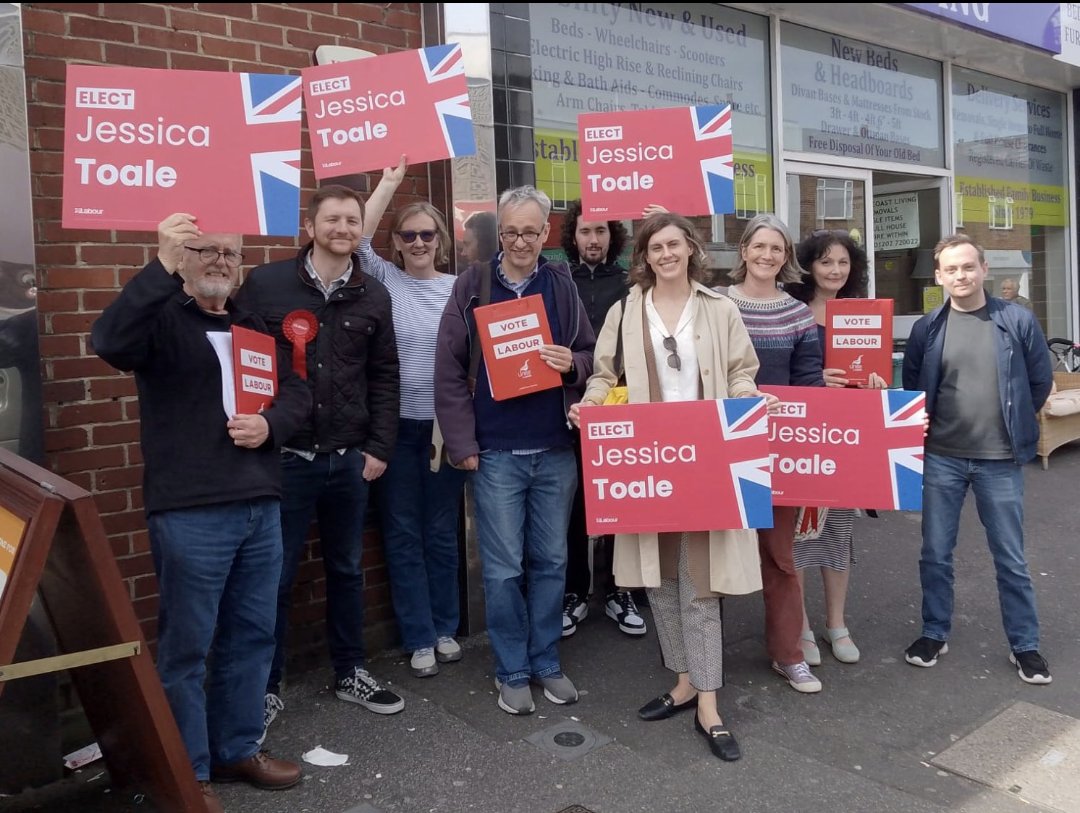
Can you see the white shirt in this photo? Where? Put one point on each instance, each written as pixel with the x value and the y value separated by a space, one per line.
pixel 675 385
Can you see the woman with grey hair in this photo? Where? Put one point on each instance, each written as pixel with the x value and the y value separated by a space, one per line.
pixel 784 335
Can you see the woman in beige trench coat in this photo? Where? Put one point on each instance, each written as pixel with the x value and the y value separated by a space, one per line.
pixel 680 341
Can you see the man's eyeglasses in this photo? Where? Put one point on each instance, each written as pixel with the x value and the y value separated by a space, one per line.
pixel 511 237
pixel 671 346
pixel 209 256
pixel 409 236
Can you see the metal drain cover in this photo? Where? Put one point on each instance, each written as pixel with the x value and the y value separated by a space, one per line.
pixel 576 809
pixel 1026 751
pixel 568 740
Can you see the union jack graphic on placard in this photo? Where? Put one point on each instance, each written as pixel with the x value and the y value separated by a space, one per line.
pixel 906 470
pixel 442 61
pixel 750 479
pixel 742 417
pixel 275 175
pixel 270 98
pixel 712 122
pixel 902 407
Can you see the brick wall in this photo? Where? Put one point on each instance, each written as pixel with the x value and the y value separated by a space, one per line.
pixel 91 411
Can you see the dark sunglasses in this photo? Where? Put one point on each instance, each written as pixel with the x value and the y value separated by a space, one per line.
pixel 673 360
pixel 427 235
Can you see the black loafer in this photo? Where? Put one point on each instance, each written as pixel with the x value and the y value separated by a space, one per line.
pixel 721 741
pixel 663 707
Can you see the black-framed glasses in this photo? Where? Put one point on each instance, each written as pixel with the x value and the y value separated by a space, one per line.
pixel 671 346
pixel 409 236
pixel 209 256
pixel 511 237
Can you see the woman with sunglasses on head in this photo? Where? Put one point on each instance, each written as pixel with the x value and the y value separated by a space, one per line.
pixel 675 340
pixel 419 506
pixel 834 268
pixel 785 338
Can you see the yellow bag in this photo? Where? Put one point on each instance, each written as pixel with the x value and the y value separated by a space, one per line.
pixel 617 396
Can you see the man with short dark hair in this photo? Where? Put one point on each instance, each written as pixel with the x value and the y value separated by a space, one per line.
pixel 212 489
pixel 519 450
pixel 985 370
pixel 336 322
pixel 593 248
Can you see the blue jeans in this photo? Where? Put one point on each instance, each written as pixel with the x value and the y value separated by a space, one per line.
pixel 999 498
pixel 217 567
pixel 420 510
pixel 332 489
pixel 522 510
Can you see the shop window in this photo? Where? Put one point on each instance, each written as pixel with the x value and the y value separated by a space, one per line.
pixel 835 199
pixel 958 210
pixel 752 196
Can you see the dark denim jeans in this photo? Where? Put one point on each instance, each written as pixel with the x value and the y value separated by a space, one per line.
pixel 522 510
pixel 420 510
pixel 217 567
pixel 332 489
pixel 999 499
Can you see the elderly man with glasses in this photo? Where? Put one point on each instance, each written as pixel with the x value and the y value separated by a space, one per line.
pixel 212 486
pixel 519 450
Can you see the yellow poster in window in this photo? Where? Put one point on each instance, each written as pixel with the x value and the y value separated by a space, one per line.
pixel 933 296
pixel 11 534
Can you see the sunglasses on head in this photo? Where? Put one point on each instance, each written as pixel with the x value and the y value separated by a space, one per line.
pixel 409 236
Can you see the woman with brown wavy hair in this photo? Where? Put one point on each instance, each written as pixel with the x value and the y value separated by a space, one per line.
pixel 680 342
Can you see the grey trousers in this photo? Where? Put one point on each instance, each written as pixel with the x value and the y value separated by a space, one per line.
pixel 690 630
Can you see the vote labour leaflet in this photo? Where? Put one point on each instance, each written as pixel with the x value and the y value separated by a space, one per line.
pixel 847 448
pixel 142 143
pixel 678 157
pixel 511 335
pixel 858 338
pixel 676 466
pixel 366 113
pixel 254 370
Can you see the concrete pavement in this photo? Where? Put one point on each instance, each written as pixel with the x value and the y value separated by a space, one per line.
pixel 966 735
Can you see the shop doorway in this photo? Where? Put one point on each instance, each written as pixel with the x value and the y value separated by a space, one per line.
pixel 897 218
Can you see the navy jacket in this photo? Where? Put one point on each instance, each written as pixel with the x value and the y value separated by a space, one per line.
pixel 1023 360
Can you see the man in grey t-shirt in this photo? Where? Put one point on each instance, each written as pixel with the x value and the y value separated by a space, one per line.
pixel 986 372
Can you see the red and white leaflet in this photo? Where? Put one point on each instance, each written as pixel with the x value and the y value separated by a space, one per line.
pixel 142 143
pixel 859 338
pixel 678 157
pixel 366 113
pixel 676 466
pixel 847 448
pixel 511 335
pixel 254 370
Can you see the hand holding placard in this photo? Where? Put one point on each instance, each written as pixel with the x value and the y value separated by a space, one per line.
pixel 173 233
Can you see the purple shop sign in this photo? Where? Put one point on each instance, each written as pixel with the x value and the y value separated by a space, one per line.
pixel 1036 24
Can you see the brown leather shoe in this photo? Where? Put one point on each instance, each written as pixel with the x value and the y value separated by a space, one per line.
pixel 260 770
pixel 213 803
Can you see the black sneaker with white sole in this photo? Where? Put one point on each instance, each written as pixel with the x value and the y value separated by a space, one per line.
pixel 925 651
pixel 620 607
pixel 1031 666
pixel 360 687
pixel 575 610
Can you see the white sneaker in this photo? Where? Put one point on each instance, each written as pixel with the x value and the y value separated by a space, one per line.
pixel 621 608
pixel 423 662
pixel 447 650
pixel 575 610
pixel 272 704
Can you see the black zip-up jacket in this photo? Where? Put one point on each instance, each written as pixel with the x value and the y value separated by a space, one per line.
pixel 158 331
pixel 352 363
pixel 599 289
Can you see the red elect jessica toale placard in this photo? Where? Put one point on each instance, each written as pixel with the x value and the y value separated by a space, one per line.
pixel 254 370
pixel 847 448
pixel 859 338
pixel 511 335
pixel 142 143
pixel 679 157
pixel 676 466
pixel 366 113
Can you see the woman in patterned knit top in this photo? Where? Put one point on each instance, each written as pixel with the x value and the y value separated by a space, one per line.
pixel 419 506
pixel 836 268
pixel 784 335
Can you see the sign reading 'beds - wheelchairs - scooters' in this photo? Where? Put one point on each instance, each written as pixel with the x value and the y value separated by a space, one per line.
pixel 715 465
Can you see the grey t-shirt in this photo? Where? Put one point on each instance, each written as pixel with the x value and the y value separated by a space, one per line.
pixel 967 419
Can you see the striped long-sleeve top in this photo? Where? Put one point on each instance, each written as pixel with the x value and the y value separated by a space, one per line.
pixel 417 308
pixel 784 334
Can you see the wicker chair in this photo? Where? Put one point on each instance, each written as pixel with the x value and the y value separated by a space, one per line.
pixel 1063 426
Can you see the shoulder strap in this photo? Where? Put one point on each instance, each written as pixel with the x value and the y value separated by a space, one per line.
pixel 474 344
pixel 618 342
